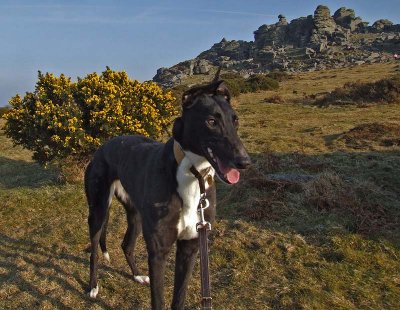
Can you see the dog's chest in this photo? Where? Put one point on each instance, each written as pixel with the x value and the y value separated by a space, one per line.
pixel 189 191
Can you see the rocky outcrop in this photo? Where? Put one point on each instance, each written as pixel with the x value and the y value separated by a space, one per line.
pixel 324 23
pixel 381 25
pixel 271 35
pixel 201 66
pixel 326 30
pixel 228 50
pixel 315 42
pixel 347 19
pixel 296 33
pixel 300 30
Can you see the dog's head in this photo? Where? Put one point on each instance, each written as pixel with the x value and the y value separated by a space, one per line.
pixel 208 127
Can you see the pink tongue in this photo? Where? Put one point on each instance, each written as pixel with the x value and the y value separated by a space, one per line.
pixel 232 175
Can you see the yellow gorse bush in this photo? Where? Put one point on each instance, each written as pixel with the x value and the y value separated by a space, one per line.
pixel 62 118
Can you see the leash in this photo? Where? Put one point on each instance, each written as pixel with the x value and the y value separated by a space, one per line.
pixel 203 227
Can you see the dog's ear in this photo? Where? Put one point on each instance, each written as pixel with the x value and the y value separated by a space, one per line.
pixel 177 129
pixel 214 88
pixel 223 90
pixel 187 99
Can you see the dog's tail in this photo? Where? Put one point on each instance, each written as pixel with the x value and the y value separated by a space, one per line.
pixel 91 198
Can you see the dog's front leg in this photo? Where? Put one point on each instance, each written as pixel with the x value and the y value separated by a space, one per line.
pixel 186 251
pixel 158 250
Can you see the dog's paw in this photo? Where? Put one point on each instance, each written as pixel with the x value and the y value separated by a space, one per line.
pixel 106 256
pixel 145 280
pixel 94 291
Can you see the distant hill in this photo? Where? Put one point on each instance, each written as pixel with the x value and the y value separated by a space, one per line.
pixel 316 42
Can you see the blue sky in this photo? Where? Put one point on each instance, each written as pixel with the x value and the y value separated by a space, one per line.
pixel 78 37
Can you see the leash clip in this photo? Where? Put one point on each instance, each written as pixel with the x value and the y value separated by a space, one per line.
pixel 203 204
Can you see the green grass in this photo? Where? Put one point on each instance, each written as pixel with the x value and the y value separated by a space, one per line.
pixel 329 243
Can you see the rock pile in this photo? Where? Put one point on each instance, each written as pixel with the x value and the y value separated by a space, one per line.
pixel 347 19
pixel 382 25
pixel 315 42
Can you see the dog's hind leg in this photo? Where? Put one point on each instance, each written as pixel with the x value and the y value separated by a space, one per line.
pixel 99 199
pixel 103 238
pixel 186 251
pixel 128 245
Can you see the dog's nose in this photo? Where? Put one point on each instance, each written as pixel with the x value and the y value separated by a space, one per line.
pixel 242 162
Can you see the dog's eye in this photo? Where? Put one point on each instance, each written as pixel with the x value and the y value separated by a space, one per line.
pixel 211 122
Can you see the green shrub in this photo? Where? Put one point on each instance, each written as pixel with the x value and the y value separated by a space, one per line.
pixel 231 76
pixel 234 87
pixel 279 75
pixel 63 119
pixel 238 84
pixel 383 91
pixel 258 82
pixel 235 83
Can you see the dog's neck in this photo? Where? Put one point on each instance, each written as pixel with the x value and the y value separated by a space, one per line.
pixel 200 163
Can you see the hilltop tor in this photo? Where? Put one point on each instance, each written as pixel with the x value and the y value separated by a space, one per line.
pixel 316 42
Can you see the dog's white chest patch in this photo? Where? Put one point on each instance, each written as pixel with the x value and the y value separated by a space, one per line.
pixel 189 191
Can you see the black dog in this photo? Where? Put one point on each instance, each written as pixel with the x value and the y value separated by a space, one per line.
pixel 160 195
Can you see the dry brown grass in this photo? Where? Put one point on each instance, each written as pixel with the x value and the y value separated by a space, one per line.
pixel 360 202
pixel 370 134
pixel 274 99
pixel 322 82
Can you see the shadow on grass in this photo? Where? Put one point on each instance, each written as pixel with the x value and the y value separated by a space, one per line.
pixel 20 173
pixel 316 195
pixel 23 260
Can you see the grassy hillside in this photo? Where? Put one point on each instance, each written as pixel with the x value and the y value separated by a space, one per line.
pixel 314 224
